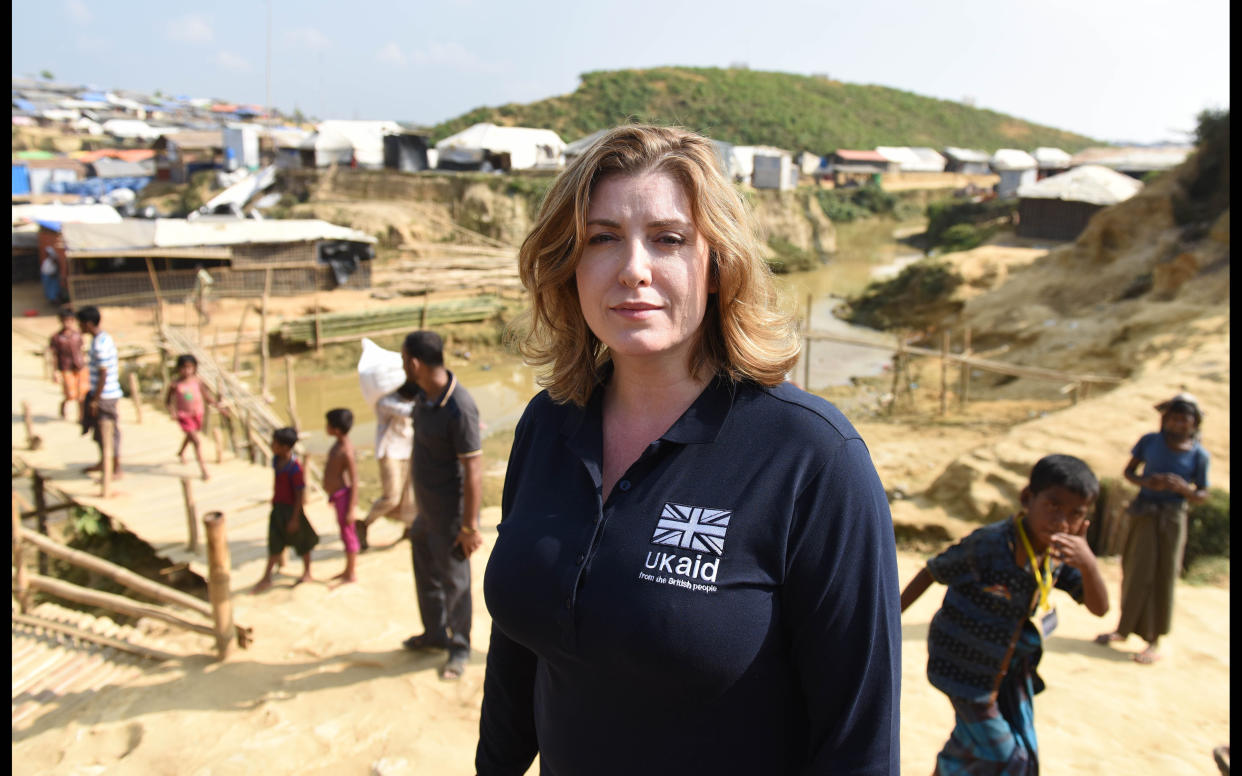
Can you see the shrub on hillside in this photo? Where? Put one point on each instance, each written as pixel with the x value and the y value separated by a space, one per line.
pixel 944 215
pixel 844 205
pixel 917 297
pixel 963 237
pixel 1207 531
pixel 788 257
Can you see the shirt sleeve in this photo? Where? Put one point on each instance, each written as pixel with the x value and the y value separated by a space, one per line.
pixel 1202 462
pixel 955 565
pixel 841 601
pixel 1070 580
pixel 507 743
pixel 296 478
pixel 465 431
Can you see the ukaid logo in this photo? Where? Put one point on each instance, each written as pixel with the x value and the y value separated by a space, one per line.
pixel 700 530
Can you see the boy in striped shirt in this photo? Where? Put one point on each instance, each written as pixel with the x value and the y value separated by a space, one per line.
pixel 105 391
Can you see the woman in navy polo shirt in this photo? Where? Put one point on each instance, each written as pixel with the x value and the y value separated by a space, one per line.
pixel 695 570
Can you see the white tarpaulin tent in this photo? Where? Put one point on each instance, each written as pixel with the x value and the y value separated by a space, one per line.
pixel 913 159
pixel 1051 158
pixel 139 234
pixel 528 148
pixel 1089 183
pixel 338 141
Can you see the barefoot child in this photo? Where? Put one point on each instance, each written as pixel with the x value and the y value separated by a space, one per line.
pixel 340 480
pixel 985 642
pixel 1175 474
pixel 68 362
pixel 287 525
pixel 185 401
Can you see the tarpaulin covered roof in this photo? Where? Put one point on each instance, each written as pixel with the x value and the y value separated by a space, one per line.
pixel 1012 159
pixel 1136 158
pixel 85 214
pixel 139 234
pixel 1051 158
pixel 965 154
pixel 1088 183
pixel 861 156
pixel 526 146
pixel 913 159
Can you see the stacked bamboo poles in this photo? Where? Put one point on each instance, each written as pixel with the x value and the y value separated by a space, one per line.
pixel 354 325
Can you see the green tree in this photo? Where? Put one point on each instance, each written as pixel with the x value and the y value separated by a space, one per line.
pixel 46 75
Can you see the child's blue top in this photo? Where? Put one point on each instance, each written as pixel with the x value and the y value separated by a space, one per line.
pixel 989 597
pixel 1158 458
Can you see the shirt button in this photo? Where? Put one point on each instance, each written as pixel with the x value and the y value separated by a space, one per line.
pixel 624 485
pixel 581 559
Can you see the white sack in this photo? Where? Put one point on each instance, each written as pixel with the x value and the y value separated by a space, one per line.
pixel 379 372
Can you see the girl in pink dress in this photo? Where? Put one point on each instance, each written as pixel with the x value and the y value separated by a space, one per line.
pixel 186 401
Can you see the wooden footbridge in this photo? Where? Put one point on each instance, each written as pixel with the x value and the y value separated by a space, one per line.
pixel 157 498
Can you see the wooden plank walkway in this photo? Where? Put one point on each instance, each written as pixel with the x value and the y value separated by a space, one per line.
pixel 148 500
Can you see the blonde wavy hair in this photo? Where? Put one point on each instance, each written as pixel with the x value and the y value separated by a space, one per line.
pixel 744 335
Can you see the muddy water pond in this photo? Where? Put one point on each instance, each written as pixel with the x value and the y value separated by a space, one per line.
pixel 502 385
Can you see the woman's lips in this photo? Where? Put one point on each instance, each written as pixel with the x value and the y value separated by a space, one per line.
pixel 635 310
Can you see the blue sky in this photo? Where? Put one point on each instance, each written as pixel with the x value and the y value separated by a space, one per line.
pixel 1136 70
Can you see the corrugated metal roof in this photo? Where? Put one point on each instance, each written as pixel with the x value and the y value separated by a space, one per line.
pixel 1012 159
pixel 1089 183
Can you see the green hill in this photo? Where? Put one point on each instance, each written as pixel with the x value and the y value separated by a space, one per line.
pixel 750 107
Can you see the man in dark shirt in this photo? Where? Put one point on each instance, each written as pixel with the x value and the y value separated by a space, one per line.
pixel 447 470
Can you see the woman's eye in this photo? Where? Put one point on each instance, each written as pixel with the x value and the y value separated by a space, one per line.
pixel 599 238
pixel 671 239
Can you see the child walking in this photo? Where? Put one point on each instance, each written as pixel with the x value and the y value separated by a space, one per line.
pixel 985 642
pixel 69 362
pixel 1175 474
pixel 340 480
pixel 185 401
pixel 287 525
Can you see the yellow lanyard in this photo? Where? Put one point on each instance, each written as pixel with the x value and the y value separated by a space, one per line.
pixel 1045 580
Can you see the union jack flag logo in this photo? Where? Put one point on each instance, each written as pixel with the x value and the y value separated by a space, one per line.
pixel 692 528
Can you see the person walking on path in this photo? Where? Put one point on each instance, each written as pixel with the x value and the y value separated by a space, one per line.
pixel 186 401
pixel 105 393
pixel 49 273
pixel 394 442
pixel 340 480
pixel 447 470
pixel 68 361
pixel 287 525
pixel 1175 475
pixel 985 642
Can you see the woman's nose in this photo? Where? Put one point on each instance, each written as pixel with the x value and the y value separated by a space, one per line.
pixel 635 267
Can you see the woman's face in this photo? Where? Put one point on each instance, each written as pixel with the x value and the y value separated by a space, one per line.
pixel 643 279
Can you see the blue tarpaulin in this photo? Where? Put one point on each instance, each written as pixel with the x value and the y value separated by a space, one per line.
pixel 97 187
pixel 21 179
pixel 25 105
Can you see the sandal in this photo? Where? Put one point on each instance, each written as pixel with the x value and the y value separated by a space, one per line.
pixel 453 669
pixel 1104 639
pixel 422 641
pixel 1146 657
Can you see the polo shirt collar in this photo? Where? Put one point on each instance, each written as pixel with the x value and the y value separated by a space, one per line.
pixel 446 395
pixel 699 424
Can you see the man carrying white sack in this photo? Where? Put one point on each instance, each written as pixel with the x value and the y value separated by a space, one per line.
pixel 394 440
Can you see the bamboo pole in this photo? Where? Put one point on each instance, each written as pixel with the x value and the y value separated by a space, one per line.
pixel 121 576
pixel 32 442
pixel 237 343
pixel 944 371
pixel 191 513
pixel 40 505
pixel 218 581
pixel 133 394
pixel 898 358
pixel 106 425
pixel 159 299
pixel 20 586
pixel 318 330
pixel 290 394
pixel 98 638
pixel 263 344
pixel 115 603
pixel 218 438
pixel 963 391
pixel 249 436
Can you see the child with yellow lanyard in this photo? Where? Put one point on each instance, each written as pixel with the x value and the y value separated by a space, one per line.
pixel 986 640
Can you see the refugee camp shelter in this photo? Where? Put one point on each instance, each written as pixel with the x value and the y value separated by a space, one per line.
pixel 854 166
pixel 1050 161
pixel 349 143
pixel 1135 161
pixel 741 162
pixel 1015 168
pixel 808 163
pixel 908 159
pixel 1059 207
pixel 967 161
pixel 115 263
pixel 407 150
pixel 486 146
pixel 34 177
pixel 774 170
pixel 181 154
pixel 37 227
